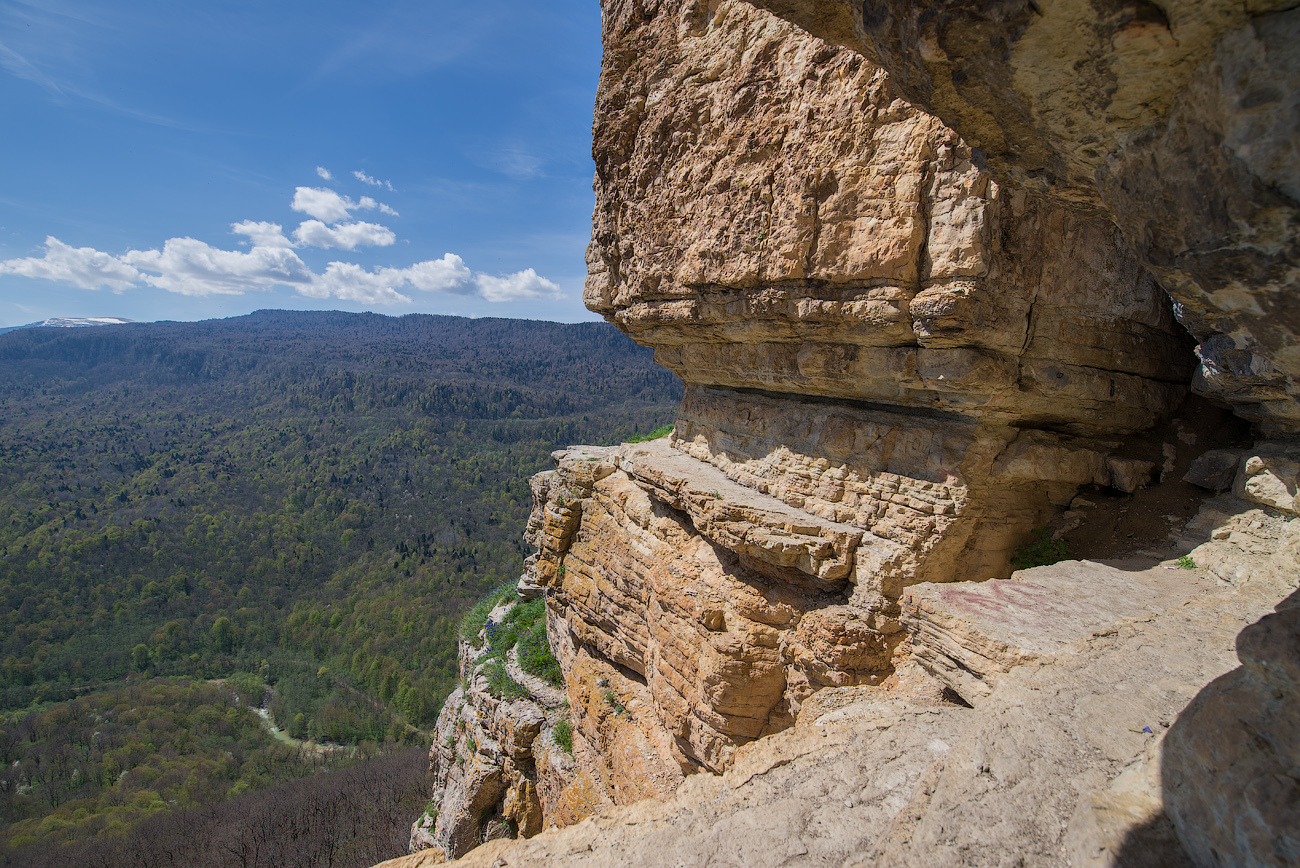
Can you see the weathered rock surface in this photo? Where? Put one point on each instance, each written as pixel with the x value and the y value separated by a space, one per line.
pixel 770 216
pixel 967 633
pixel 495 762
pixel 1176 119
pixel 905 345
pixel 1062 763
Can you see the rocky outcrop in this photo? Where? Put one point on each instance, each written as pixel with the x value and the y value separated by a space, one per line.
pixel 769 215
pixel 895 369
pixel 495 760
pixel 1065 760
pixel 1175 119
pixel 908 339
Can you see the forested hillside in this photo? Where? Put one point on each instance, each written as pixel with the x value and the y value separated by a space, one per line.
pixel 309 499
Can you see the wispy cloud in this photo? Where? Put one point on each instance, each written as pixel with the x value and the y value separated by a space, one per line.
pixel 20 66
pixel 374 182
pixel 324 173
pixel 517 163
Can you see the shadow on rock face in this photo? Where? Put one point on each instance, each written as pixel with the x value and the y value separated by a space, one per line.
pixel 1154 844
pixel 1231 759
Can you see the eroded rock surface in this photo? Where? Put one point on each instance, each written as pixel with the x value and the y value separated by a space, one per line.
pixel 905 345
pixel 1177 119
pixel 769 215
pixel 1064 762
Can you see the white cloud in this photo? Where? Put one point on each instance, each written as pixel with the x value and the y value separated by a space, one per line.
pixel 348 236
pixel 448 274
pixel 353 283
pixel 324 173
pixel 191 267
pixel 374 182
pixel 522 284
pixel 83 267
pixel 261 234
pixel 324 204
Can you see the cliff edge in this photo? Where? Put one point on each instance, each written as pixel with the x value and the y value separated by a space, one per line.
pixel 791 631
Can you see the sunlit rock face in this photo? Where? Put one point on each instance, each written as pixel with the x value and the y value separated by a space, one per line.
pixel 1175 119
pixel 895 368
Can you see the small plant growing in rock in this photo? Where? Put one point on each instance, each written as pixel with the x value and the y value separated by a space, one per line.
pixel 1186 562
pixel 1040 551
pixel 653 435
pixel 612 701
pixel 451 740
pixel 715 494
pixel 564 736
pixel 471 745
pixel 499 682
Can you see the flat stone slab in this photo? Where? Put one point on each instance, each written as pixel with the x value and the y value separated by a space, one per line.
pixel 753 524
pixel 968 633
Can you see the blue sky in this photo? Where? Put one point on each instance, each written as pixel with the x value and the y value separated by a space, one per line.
pixel 195 160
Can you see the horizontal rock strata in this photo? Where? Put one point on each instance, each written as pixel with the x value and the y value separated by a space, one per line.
pixel 1063 763
pixel 895 369
pixel 1173 118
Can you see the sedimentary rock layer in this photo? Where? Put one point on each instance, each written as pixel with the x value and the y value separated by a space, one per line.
pixel 769 215
pixel 1176 119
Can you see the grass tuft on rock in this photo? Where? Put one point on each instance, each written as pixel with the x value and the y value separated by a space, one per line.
pixel 1040 551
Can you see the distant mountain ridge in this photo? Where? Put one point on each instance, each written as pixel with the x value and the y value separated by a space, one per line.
pixel 69 322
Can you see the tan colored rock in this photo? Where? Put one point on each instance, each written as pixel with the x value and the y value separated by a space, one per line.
pixel 770 216
pixel 1271 479
pixel 1062 764
pixel 1173 118
pixel 967 634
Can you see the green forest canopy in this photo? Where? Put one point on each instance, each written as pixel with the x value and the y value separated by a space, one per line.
pixel 310 498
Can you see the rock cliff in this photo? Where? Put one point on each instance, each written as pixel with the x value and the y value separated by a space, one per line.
pixel 1175 119
pixel 909 339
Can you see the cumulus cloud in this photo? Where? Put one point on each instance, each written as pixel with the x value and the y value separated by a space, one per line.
pixel 191 267
pixel 448 274
pixel 327 205
pixel 520 285
pixel 262 234
pixel 83 267
pixel 374 182
pixel 322 203
pixel 348 236
pixel 324 173
pixel 353 283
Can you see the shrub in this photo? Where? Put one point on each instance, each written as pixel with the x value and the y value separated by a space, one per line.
pixel 1040 551
pixel 1186 562
pixel 564 736
pixel 499 682
pixel 476 618
pixel 653 435
pixel 535 655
